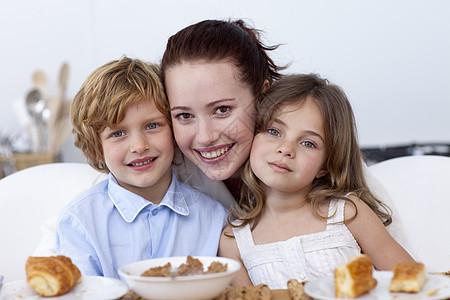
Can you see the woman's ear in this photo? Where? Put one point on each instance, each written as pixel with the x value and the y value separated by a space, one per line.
pixel 266 85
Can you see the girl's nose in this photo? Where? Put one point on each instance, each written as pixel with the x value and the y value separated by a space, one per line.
pixel 286 149
pixel 206 133
pixel 139 144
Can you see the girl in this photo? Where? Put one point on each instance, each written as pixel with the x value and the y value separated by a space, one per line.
pixel 305 207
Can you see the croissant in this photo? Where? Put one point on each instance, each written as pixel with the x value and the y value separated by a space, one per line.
pixel 52 276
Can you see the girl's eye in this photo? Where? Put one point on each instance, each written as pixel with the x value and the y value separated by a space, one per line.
pixel 117 134
pixel 272 131
pixel 222 110
pixel 152 126
pixel 183 116
pixel 308 144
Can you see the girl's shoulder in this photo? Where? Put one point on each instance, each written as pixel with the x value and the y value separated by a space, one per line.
pixel 355 207
pixel 358 212
pixel 227 244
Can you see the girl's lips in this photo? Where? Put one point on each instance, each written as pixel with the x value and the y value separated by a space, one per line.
pixel 214 154
pixel 280 167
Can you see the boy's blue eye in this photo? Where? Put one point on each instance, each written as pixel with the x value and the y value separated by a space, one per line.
pixel 117 134
pixel 152 126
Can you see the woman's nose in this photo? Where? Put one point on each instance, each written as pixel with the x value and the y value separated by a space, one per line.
pixel 206 133
pixel 139 143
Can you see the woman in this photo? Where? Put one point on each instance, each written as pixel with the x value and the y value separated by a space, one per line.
pixel 215 73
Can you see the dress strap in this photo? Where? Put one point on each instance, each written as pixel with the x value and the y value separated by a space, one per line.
pixel 336 212
pixel 243 236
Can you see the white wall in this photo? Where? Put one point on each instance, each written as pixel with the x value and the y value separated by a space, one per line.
pixel 391 57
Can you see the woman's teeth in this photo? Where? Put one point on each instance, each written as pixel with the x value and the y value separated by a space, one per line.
pixel 138 164
pixel 214 154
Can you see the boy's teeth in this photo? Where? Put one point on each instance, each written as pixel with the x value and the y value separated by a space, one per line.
pixel 142 163
pixel 214 154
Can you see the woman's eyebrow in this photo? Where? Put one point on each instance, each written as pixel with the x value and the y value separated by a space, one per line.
pixel 211 104
pixel 180 108
pixel 217 102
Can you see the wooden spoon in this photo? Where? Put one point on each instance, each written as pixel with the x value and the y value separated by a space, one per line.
pixel 57 104
pixel 40 82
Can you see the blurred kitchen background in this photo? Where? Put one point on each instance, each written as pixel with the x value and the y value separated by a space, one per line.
pixel 392 58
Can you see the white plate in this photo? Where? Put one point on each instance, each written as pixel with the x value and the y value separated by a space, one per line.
pixel 91 287
pixel 323 288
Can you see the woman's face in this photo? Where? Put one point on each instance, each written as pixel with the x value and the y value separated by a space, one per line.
pixel 213 116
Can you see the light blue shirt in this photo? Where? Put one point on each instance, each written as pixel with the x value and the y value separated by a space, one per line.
pixel 108 226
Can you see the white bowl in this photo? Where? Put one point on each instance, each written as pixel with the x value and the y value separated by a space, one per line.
pixel 205 286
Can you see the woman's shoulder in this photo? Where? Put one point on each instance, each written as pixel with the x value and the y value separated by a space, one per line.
pixel 200 202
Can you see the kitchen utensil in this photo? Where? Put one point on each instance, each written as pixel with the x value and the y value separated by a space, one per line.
pixel 40 82
pixel 57 107
pixel 36 106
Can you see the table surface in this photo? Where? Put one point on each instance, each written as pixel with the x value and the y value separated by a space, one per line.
pixel 276 294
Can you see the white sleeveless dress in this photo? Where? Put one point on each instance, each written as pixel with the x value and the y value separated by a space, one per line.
pixel 303 257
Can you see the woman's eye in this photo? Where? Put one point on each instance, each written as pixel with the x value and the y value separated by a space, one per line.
pixel 308 144
pixel 152 126
pixel 183 116
pixel 222 110
pixel 272 131
pixel 117 134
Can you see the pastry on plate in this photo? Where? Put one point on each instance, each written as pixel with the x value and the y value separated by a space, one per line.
pixel 354 278
pixel 408 277
pixel 52 276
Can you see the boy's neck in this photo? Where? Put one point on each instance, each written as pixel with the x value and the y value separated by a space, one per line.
pixel 154 193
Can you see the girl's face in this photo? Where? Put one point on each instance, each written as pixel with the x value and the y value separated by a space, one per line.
pixel 139 150
pixel 212 115
pixel 291 152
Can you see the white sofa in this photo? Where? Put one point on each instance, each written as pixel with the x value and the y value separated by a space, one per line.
pixel 420 188
pixel 30 197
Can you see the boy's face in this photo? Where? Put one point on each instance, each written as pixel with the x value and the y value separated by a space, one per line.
pixel 139 151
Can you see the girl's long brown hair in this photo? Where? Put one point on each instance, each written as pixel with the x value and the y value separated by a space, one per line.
pixel 344 158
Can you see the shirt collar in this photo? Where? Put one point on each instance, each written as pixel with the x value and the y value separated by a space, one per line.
pixel 130 205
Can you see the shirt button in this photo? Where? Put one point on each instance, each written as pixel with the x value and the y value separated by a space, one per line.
pixel 155 212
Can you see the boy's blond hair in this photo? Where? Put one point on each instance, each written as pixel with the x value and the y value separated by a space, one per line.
pixel 104 98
